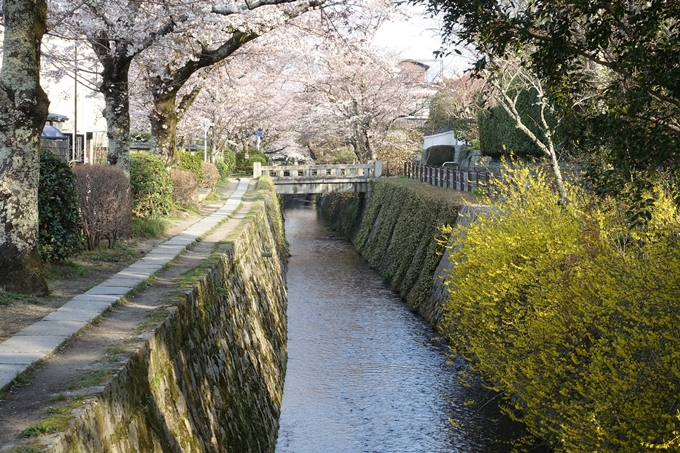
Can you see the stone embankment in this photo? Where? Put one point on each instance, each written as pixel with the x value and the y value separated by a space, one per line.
pixel 210 377
pixel 398 231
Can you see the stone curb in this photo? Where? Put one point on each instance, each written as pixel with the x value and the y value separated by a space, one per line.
pixel 39 340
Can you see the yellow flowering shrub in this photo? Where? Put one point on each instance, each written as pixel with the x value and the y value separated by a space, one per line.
pixel 573 315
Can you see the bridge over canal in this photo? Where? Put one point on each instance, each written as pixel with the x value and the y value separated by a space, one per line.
pixel 294 179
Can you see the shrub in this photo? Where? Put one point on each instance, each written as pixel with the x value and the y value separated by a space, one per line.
pixel 229 159
pixel 210 175
pixel 572 313
pixel 246 165
pixel 184 187
pixel 499 136
pixel 261 158
pixel 59 219
pixel 437 155
pixel 193 163
pixel 151 186
pixel 105 203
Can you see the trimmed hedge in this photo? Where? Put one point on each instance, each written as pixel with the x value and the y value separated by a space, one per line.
pixel 498 135
pixel 437 155
pixel 211 176
pixel 151 186
pixel 398 232
pixel 194 164
pixel 59 218
pixel 184 187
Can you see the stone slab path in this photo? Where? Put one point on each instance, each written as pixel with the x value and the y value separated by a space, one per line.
pixel 39 340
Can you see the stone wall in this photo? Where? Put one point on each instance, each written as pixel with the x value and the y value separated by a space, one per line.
pixel 211 377
pixel 397 233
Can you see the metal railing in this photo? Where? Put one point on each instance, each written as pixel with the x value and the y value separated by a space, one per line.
pixel 463 180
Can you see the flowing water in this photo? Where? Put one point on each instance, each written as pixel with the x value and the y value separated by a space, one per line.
pixel 365 374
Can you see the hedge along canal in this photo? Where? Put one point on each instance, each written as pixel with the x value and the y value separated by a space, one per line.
pixel 366 374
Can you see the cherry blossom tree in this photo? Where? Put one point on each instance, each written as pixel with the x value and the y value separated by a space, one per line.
pixel 363 94
pixel 23 110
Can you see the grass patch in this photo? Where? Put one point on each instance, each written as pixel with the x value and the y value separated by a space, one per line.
pixel 21 379
pixel 3 396
pixel 116 352
pixel 91 379
pixel 7 298
pixel 59 397
pixel 121 251
pixel 26 449
pixel 152 227
pixel 50 425
pixel 153 318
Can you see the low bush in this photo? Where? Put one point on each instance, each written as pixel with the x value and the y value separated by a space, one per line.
pixel 227 164
pixel 105 203
pixel 572 313
pixel 59 219
pixel 437 155
pixel 211 176
pixel 193 163
pixel 244 165
pixel 151 186
pixel 184 187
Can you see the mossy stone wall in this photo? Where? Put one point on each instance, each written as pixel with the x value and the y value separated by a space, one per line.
pixel 211 377
pixel 397 234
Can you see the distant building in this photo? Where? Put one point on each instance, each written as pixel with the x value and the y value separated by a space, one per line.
pixel 75 98
pixel 421 88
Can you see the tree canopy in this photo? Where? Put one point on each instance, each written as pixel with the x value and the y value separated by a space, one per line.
pixel 612 67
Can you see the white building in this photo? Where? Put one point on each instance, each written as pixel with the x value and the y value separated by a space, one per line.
pixel 75 104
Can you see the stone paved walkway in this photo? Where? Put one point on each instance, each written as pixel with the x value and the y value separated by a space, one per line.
pixel 37 341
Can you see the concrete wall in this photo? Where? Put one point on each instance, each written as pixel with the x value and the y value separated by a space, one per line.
pixel 211 377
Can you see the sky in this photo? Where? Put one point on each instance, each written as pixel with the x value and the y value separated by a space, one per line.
pixel 417 38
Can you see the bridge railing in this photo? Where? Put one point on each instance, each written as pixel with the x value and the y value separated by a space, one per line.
pixel 331 171
pixel 463 180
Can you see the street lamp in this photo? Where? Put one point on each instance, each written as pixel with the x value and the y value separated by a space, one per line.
pixel 205 141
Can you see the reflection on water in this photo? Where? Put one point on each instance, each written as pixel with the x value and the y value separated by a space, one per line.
pixel 365 374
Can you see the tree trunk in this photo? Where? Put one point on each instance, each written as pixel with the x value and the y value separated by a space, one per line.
pixel 163 120
pixel 114 87
pixel 117 115
pixel 23 110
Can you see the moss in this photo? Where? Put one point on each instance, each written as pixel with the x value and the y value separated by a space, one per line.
pixel 397 231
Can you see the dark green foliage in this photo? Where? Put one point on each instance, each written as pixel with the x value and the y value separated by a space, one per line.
pixel 193 163
pixel 437 155
pixel 227 164
pixel 151 186
pixel 498 135
pixel 398 233
pixel 59 226
pixel 614 76
pixel 246 166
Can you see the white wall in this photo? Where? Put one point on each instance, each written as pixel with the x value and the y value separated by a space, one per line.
pixel 59 85
pixel 444 138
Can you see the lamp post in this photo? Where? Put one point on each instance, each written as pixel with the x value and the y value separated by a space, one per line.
pixel 205 141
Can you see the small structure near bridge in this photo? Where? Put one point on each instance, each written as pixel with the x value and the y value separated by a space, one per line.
pixel 299 179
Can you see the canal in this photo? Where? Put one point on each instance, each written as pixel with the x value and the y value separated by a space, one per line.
pixel 365 374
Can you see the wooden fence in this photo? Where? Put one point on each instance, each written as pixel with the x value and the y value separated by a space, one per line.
pixel 463 180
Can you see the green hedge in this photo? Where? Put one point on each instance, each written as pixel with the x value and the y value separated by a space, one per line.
pixel 59 218
pixel 151 186
pixel 398 232
pixel 498 135
pixel 438 154
pixel 193 163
